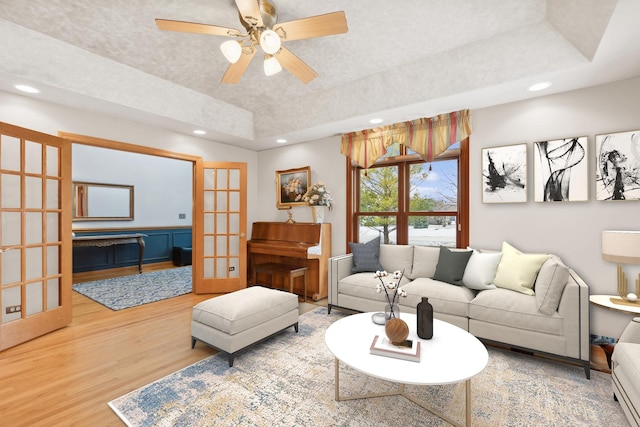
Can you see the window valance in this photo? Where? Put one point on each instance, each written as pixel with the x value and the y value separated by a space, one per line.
pixel 428 137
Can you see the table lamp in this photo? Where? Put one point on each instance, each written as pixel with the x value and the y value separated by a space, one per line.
pixel 623 247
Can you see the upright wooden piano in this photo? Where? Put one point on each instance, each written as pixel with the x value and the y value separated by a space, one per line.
pixel 301 244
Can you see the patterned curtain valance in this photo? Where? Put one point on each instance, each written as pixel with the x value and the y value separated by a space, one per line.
pixel 428 137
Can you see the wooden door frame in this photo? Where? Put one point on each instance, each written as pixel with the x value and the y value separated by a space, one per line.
pixel 140 149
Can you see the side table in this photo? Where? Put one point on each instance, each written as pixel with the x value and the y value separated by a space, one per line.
pixel 601 353
pixel 605 301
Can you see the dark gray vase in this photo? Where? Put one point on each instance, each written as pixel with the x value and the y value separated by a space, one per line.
pixel 424 314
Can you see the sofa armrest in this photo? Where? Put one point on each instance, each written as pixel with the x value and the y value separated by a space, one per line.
pixel 339 267
pixel 574 309
pixel 632 332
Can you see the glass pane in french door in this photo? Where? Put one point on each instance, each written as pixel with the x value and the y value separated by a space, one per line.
pixel 34 169
pixel 218 191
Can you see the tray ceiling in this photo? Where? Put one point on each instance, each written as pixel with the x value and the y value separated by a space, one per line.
pixel 417 58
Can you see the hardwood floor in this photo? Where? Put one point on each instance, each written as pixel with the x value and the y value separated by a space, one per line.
pixel 67 377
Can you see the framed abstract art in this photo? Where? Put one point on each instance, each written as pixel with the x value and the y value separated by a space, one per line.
pixel 618 166
pixel 561 170
pixel 504 174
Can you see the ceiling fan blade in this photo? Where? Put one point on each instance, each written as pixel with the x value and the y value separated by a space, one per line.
pixel 235 71
pixel 250 11
pixel 295 65
pixel 314 26
pixel 192 27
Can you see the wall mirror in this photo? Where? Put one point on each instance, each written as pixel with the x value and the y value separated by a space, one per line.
pixel 102 202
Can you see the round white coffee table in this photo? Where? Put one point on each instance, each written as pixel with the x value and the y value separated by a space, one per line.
pixel 453 355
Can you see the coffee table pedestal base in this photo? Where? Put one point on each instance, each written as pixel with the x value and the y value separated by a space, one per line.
pixel 400 392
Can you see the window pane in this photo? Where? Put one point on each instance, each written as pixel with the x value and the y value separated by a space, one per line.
pixel 434 186
pixel 379 189
pixel 371 227
pixel 432 231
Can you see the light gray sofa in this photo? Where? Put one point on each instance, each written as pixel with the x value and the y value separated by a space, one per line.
pixel 625 371
pixel 555 320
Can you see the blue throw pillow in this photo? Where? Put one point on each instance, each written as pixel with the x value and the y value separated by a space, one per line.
pixel 451 266
pixel 366 256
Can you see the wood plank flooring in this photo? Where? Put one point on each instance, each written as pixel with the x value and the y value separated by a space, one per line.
pixel 67 377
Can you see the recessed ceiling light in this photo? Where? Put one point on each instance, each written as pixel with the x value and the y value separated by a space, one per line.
pixel 375 121
pixel 28 89
pixel 281 140
pixel 199 132
pixel 539 86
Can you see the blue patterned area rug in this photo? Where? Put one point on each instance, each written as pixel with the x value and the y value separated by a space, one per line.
pixel 289 381
pixel 129 291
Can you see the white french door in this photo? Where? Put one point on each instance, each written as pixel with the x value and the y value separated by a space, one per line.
pixel 220 227
pixel 35 236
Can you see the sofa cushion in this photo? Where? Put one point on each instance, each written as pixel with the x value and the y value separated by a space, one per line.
pixel 451 265
pixel 366 256
pixel 512 309
pixel 552 278
pixel 363 285
pixel 425 260
pixel 481 270
pixel 396 257
pixel 517 271
pixel 444 297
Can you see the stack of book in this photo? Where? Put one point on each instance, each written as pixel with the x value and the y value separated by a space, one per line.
pixel 409 350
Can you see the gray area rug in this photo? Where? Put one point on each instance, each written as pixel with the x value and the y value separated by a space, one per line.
pixel 289 381
pixel 129 291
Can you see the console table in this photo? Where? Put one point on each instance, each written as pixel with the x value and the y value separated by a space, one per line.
pixel 113 239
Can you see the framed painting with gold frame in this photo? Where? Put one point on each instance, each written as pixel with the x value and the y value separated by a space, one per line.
pixel 291 184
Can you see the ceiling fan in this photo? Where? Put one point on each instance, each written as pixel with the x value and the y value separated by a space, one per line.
pixel 259 18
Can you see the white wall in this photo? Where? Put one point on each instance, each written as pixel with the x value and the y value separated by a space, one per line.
pixel 152 208
pixel 45 117
pixel 570 230
pixel 327 165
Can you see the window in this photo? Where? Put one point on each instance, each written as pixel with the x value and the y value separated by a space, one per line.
pixel 406 200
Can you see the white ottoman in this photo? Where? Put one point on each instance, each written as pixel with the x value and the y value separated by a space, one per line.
pixel 232 322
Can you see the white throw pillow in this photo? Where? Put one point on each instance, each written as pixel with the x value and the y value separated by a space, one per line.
pixel 481 270
pixel 517 271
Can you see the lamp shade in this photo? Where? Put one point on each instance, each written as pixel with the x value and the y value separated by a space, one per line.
pixel 270 42
pixel 271 66
pixel 622 247
pixel 231 50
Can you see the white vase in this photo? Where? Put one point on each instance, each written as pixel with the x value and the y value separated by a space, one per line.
pixel 317 212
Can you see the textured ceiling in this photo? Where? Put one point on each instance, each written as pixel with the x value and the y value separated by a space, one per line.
pixel 414 59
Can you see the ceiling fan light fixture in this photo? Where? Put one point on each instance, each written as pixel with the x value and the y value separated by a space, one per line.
pixel 232 50
pixel 270 42
pixel 271 66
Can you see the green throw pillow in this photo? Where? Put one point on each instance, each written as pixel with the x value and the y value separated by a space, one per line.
pixel 517 271
pixel 451 265
pixel 366 256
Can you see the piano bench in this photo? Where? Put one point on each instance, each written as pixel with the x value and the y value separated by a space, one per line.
pixel 283 270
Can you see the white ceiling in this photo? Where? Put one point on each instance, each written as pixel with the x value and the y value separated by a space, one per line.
pixel 417 58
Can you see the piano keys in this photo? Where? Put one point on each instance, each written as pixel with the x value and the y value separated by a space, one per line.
pixel 302 244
